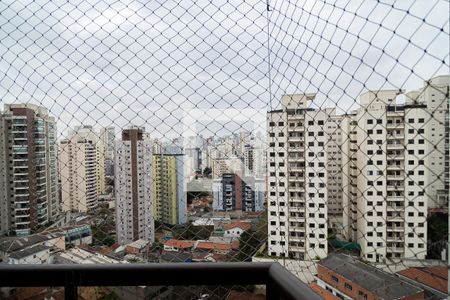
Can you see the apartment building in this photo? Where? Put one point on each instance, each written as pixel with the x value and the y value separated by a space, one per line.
pixel 79 170
pixel 254 157
pixel 298 188
pixel 29 196
pixel 222 166
pixel 398 171
pixel 169 191
pixel 107 136
pixel 234 192
pixel 349 173
pixel 133 183
pixel 435 95
pixel 333 149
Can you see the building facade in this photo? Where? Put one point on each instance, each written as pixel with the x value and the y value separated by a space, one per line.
pixel 297 179
pixel 234 192
pixel 348 278
pixel 133 183
pixel 29 194
pixel 107 136
pixel 79 170
pixel 169 191
pixel 394 169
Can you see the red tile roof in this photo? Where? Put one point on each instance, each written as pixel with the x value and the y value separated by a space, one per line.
pixel 427 277
pixel 217 246
pixel 181 244
pixel 243 225
pixel 440 271
pixel 322 292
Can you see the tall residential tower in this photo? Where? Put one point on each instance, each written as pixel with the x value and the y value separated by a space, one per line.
pixel 29 196
pixel 133 187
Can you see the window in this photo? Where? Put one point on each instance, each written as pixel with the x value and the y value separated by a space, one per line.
pixel 334 278
pixel 361 293
pixel 348 286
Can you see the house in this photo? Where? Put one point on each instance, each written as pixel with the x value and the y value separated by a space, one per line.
pixel 178 245
pixel 137 247
pixel 235 229
pixel 217 248
pixel 75 235
pixel 348 278
pixel 38 254
pixel 9 245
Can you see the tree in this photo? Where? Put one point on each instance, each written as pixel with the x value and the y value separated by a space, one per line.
pixel 207 171
pixel 249 243
pixel 437 235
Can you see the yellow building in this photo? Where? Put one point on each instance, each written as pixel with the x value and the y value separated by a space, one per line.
pixel 169 194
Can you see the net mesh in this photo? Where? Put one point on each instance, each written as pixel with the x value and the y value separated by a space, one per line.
pixel 188 131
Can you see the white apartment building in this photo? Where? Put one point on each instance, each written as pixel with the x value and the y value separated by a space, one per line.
pixel 398 171
pixel 29 196
pixel 133 187
pixel 334 164
pixel 79 170
pixel 297 178
pixel 349 173
pixel 435 94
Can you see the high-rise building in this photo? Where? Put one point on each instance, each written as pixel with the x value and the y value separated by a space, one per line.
pixel 394 169
pixel 169 192
pixel 222 166
pixel 254 157
pixel 333 145
pixel 79 159
pixel 29 196
pixel 298 189
pixel 107 136
pixel 233 192
pixel 133 187
pixel 435 95
pixel 349 174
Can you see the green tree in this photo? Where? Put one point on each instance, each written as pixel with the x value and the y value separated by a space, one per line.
pixel 437 235
pixel 207 171
pixel 249 243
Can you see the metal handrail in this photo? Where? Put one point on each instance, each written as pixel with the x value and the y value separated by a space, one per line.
pixel 280 283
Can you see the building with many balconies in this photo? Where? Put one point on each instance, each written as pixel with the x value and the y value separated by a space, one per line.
pixel 29 196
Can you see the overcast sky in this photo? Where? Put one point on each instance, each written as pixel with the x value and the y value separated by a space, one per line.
pixel 149 63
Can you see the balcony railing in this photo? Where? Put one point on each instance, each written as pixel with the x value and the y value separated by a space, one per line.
pixel 279 282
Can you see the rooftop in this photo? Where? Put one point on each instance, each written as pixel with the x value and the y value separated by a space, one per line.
pixel 242 225
pixel 372 279
pixel 139 244
pixel 12 244
pixel 28 251
pixel 176 256
pixel 82 256
pixel 179 244
pixel 435 277
pixel 206 245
